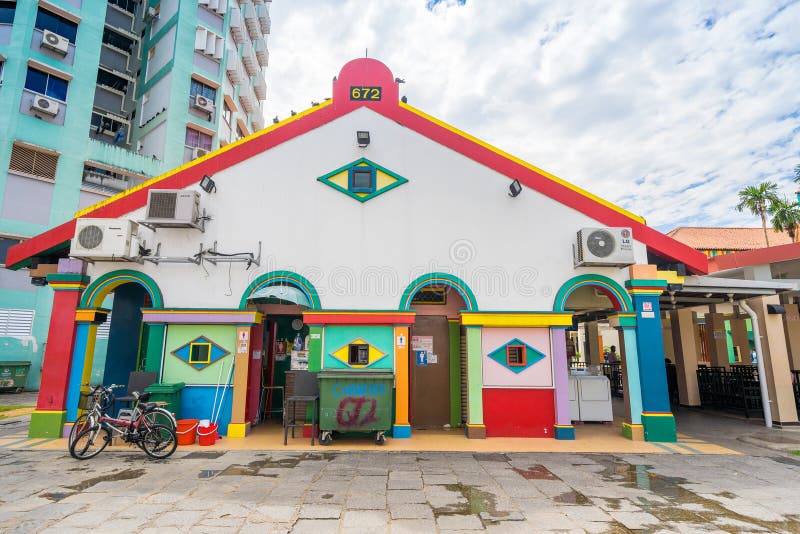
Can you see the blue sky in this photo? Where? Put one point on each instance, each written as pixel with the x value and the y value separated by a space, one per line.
pixel 666 108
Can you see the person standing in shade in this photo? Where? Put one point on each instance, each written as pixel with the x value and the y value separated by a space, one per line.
pixel 612 354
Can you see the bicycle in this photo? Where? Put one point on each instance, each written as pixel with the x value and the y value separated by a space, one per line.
pixel 100 401
pixel 157 440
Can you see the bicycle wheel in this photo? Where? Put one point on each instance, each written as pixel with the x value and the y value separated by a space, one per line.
pixel 159 441
pixel 82 423
pixel 160 416
pixel 89 443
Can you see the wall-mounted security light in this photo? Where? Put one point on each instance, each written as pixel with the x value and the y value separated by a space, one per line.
pixel 776 309
pixel 514 189
pixel 207 184
pixel 362 138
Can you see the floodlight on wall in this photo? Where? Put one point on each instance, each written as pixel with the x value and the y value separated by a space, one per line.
pixel 362 138
pixel 776 309
pixel 514 189
pixel 207 184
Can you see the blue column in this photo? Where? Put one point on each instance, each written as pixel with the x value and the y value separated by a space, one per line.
pixel 657 418
pixel 76 371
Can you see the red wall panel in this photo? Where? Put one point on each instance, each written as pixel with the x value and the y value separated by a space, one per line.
pixel 519 413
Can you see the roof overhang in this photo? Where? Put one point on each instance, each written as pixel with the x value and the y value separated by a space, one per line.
pixel 703 290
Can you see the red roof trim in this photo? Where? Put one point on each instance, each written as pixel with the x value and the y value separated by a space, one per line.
pixel 759 256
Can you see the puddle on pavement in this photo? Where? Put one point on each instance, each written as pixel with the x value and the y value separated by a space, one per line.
pixel 198 455
pixel 56 495
pixel 477 501
pixel 252 469
pixel 490 457
pixel 125 474
pixel 669 488
pixel 571 497
pixel 536 472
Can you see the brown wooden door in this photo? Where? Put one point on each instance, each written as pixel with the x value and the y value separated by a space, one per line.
pixel 430 387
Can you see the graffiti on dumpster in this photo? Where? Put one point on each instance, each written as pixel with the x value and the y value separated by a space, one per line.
pixel 355 412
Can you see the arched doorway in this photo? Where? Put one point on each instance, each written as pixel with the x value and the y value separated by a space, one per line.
pixel 282 297
pixel 125 344
pixel 437 356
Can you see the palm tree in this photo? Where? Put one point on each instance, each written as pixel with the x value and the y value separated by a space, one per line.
pixel 756 199
pixel 797 174
pixel 785 216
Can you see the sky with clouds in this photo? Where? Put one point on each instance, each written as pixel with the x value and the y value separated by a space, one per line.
pixel 667 108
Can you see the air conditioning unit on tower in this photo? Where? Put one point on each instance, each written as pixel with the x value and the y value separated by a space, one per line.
pixel 55 42
pixel 603 247
pixel 105 239
pixel 206 104
pixel 45 105
pixel 173 208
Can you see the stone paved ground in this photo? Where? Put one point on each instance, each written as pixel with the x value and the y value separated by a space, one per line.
pixel 374 492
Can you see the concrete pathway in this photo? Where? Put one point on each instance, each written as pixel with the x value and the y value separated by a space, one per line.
pixel 376 492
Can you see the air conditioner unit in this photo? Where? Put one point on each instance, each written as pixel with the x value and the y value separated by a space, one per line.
pixel 45 105
pixel 604 247
pixel 149 15
pixel 173 208
pixel 201 102
pixel 55 42
pixel 198 152
pixel 105 239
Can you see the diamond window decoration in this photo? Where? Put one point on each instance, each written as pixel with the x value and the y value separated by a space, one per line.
pixel 200 353
pixel 362 180
pixel 358 354
pixel 516 355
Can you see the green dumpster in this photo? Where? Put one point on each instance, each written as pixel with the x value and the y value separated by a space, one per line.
pixel 355 401
pixel 169 393
pixel 13 375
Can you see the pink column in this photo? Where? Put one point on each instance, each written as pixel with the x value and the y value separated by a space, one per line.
pixel 563 428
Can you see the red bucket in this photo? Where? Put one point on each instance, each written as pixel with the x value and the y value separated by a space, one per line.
pixel 187 431
pixel 207 435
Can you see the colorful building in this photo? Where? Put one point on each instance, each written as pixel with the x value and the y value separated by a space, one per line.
pixel 380 238
pixel 98 97
pixel 716 241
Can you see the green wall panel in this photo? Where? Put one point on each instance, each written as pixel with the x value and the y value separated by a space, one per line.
pixel 176 370
pixel 380 337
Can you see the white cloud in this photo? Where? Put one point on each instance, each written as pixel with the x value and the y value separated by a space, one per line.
pixel 665 108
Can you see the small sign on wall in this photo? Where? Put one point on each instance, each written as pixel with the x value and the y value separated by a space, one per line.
pixel 401 341
pixel 433 358
pixel 421 357
pixel 422 343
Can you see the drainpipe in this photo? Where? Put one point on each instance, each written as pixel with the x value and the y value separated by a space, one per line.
pixel 762 377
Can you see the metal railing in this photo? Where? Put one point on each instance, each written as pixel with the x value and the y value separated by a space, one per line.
pixel 613 370
pixel 735 388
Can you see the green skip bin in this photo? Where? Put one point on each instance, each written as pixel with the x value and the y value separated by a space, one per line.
pixel 355 401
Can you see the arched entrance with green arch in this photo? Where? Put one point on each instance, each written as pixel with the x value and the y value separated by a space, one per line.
pixel 616 294
pixel 126 344
pixel 439 279
pixel 99 289
pixel 289 278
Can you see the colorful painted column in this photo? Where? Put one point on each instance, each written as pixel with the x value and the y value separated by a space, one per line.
pixel 454 327
pixel 632 427
pixel 239 427
pixel 86 321
pixel 657 419
pixel 154 347
pixel 475 427
pixel 401 428
pixel 50 415
pixel 563 428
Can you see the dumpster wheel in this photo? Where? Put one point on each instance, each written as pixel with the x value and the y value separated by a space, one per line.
pixel 325 438
pixel 380 438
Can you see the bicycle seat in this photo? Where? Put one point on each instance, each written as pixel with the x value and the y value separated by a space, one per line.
pixel 148 406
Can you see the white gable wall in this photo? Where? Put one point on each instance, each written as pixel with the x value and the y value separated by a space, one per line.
pixel 454 215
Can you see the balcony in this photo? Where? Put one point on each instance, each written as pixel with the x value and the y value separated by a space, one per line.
pixel 237 26
pixel 106 181
pixel 117 157
pixel 262 54
pixel 234 67
pixel 248 99
pixel 251 21
pixel 260 88
pixel 262 11
pixel 250 61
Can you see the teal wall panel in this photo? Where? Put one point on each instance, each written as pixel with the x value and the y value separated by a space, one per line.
pixel 380 337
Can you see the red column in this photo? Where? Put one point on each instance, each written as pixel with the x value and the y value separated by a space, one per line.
pixel 48 419
pixel 254 371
